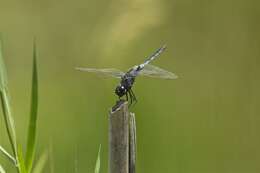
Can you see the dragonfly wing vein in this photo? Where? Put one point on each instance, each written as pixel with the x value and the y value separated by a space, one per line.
pixel 156 72
pixel 105 71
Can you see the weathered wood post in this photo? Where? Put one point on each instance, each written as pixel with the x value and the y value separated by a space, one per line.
pixel 132 143
pixel 121 139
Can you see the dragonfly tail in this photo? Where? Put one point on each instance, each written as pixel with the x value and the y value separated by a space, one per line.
pixel 154 55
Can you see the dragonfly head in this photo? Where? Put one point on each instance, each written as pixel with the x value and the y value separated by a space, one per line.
pixel 120 90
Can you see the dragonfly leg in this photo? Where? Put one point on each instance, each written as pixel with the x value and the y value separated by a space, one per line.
pixel 131 98
pixel 126 96
pixel 134 97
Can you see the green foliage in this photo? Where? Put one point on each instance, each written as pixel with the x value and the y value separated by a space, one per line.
pixel 23 165
pixel 31 138
pixel 39 165
pixel 2 169
pixel 97 167
pixel 20 159
pixel 5 103
pixel 9 156
pixel 3 79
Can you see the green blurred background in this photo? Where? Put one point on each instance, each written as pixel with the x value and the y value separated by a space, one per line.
pixel 207 121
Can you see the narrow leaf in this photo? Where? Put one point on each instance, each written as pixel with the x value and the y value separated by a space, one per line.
pixel 51 158
pixel 97 167
pixel 5 103
pixel 31 137
pixel 2 169
pixel 39 166
pixel 20 163
pixel 3 78
pixel 9 156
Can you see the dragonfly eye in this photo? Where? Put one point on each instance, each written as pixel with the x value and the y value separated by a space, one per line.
pixel 120 90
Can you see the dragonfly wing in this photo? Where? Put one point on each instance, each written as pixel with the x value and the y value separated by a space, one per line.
pixel 156 72
pixel 105 71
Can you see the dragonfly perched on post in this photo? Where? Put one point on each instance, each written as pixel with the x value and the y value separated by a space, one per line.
pixel 128 78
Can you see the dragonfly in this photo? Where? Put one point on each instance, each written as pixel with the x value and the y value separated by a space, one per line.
pixel 127 79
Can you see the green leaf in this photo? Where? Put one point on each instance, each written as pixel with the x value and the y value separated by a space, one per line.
pixel 3 78
pixel 31 137
pixel 2 169
pixel 51 158
pixel 9 156
pixel 97 167
pixel 39 166
pixel 5 103
pixel 20 163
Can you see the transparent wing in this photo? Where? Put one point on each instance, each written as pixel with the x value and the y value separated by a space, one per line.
pixel 153 71
pixel 105 71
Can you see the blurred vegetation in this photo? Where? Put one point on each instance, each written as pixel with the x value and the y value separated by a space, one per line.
pixel 206 121
pixel 16 157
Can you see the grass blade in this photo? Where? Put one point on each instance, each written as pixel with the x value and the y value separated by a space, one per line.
pixel 31 137
pixel 5 103
pixel 3 78
pixel 39 166
pixel 9 156
pixel 2 169
pixel 21 163
pixel 97 167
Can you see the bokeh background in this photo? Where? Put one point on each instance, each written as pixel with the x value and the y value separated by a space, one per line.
pixel 207 121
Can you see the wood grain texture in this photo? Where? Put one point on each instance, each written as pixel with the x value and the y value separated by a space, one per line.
pixel 119 139
pixel 132 143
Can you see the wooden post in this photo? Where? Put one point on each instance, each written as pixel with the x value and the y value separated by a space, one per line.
pixel 119 138
pixel 122 139
pixel 132 143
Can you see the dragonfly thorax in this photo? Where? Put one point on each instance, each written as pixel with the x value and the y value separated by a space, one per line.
pixel 126 84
